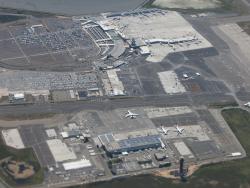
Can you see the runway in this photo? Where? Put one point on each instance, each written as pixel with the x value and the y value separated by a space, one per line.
pixel 70 107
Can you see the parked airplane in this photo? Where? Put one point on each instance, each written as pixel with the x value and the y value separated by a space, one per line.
pixel 247 104
pixel 131 115
pixel 164 130
pixel 179 130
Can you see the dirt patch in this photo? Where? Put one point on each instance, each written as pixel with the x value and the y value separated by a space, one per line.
pixel 192 169
pixel 166 173
pixel 18 169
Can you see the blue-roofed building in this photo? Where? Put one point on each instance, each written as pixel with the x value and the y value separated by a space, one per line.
pixel 114 147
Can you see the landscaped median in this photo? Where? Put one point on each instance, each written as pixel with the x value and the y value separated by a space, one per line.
pixel 19 167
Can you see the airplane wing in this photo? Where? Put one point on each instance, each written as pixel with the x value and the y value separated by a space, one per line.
pixel 127 115
pixel 130 114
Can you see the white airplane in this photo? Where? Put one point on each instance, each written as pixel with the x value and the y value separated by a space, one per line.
pixel 247 104
pixel 164 130
pixel 179 130
pixel 131 115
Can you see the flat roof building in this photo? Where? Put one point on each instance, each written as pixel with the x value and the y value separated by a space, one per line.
pixel 71 134
pixel 83 163
pixel 160 156
pixel 115 147
pixel 18 96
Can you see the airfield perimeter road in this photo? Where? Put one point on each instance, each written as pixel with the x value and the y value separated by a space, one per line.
pixel 69 107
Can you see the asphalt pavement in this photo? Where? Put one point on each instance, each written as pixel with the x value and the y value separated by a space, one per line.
pixel 109 104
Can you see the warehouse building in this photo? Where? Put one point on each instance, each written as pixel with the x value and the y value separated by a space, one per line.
pixel 71 134
pixel 83 163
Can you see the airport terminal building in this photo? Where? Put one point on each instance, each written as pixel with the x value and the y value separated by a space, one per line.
pixel 114 147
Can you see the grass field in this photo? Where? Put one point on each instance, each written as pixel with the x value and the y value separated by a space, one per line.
pixel 26 155
pixel 230 174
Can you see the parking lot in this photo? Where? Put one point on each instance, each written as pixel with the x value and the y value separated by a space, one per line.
pixel 35 81
pixel 50 44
